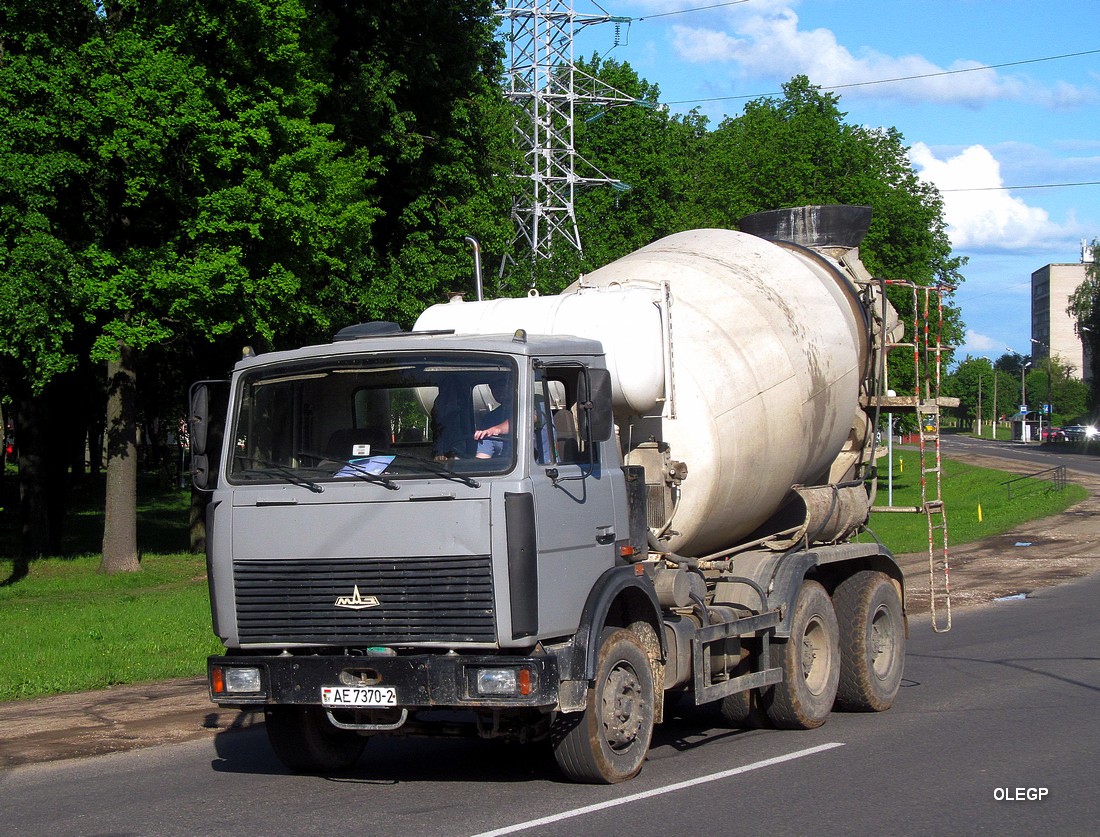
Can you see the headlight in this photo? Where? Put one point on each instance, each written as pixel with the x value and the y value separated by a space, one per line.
pixel 235 680
pixel 503 681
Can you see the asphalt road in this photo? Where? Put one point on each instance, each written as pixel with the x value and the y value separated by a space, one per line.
pixel 1083 457
pixel 1003 705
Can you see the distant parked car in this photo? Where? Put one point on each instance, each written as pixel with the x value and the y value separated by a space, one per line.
pixel 1079 432
pixel 1053 434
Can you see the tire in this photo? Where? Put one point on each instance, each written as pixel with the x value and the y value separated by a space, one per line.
pixel 810 660
pixel 872 642
pixel 608 741
pixel 306 742
pixel 744 710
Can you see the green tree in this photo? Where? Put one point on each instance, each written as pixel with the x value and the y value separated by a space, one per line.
pixel 1084 307
pixel 798 150
pixel 651 152
pixel 230 172
pixel 188 198
pixel 41 177
pixel 417 85
pixel 971 382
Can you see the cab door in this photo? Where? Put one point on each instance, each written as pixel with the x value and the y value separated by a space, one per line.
pixel 574 496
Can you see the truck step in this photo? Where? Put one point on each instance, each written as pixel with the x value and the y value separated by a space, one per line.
pixel 757 625
pixel 753 680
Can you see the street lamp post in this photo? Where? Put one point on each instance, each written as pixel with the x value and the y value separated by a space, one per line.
pixel 993 420
pixel 1023 401
pixel 1023 394
pixel 1050 378
pixel 993 434
pixel 979 432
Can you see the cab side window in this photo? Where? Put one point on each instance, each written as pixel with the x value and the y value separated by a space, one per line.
pixel 558 420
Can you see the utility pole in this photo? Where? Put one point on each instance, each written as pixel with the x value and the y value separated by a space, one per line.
pixel 1050 373
pixel 979 431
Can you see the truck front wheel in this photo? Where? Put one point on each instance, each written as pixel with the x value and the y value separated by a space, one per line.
pixel 872 642
pixel 608 741
pixel 810 660
pixel 306 742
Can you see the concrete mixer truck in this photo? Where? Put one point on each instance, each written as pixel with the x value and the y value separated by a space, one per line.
pixel 552 516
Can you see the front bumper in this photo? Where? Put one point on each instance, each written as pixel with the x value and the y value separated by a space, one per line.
pixel 421 681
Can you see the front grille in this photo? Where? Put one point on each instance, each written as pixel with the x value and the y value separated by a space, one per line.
pixel 420 600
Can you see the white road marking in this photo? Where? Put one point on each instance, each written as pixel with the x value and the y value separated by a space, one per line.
pixel 702 780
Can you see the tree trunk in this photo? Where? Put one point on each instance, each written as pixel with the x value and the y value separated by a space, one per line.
pixel 34 518
pixel 199 501
pixel 120 552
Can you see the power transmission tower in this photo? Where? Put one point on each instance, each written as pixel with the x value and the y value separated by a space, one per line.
pixel 544 82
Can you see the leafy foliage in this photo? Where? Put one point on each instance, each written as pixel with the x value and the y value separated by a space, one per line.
pixel 178 175
pixel 1084 307
pixel 1050 382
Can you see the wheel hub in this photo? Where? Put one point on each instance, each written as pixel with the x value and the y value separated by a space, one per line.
pixel 881 644
pixel 622 708
pixel 815 657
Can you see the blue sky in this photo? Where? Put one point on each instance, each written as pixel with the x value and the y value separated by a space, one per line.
pixel 1011 124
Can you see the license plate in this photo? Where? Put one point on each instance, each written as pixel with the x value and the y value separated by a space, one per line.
pixel 361 696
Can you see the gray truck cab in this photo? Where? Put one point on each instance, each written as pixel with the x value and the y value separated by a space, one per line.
pixel 413 513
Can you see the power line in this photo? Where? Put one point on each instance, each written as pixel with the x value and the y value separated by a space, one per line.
pixel 695 9
pixel 901 78
pixel 1014 188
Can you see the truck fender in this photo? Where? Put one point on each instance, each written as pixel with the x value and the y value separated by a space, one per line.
pixel 782 576
pixel 618 584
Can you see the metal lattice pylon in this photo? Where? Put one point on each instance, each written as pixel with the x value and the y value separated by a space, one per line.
pixel 546 85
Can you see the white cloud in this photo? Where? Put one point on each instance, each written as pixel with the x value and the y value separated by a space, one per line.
pixel 980 216
pixel 976 343
pixel 765 39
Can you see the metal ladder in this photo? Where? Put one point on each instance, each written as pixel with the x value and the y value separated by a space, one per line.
pixel 926 330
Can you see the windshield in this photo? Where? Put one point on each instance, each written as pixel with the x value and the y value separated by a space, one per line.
pixel 383 416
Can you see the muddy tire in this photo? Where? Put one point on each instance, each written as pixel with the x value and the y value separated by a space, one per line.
pixel 609 740
pixel 305 742
pixel 744 710
pixel 810 660
pixel 872 642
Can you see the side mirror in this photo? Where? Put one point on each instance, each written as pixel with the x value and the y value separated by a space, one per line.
pixel 200 472
pixel 207 401
pixel 199 420
pixel 601 416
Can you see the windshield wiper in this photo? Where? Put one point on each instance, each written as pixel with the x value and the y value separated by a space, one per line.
pixel 431 467
pixel 358 470
pixel 290 475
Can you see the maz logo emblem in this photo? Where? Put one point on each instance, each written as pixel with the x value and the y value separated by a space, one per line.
pixel 356 601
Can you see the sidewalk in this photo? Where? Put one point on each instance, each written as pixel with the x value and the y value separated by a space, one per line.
pixel 111 720
pixel 1037 554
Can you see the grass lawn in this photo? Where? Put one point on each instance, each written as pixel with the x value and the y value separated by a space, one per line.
pixel 966 489
pixel 67 627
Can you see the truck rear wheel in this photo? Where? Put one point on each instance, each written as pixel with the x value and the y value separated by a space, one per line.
pixel 872 642
pixel 609 740
pixel 744 710
pixel 810 660
pixel 306 742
